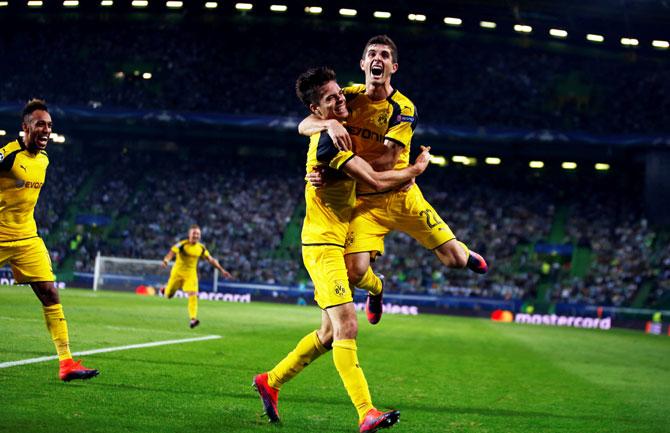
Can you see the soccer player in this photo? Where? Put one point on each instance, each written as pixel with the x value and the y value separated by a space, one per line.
pixel 23 166
pixel 379 128
pixel 328 211
pixel 184 274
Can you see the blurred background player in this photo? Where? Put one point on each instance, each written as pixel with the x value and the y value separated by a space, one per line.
pixel 184 274
pixel 381 125
pixel 328 211
pixel 23 165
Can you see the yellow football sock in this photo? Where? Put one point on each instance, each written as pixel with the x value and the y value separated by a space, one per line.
pixel 467 251
pixel 57 327
pixel 346 363
pixel 305 352
pixel 370 282
pixel 193 306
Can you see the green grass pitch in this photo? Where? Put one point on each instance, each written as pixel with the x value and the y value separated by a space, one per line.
pixel 445 374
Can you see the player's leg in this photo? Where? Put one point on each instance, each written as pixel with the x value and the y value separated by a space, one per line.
pixel 308 349
pixel 174 283
pixel 31 264
pixel 345 358
pixel 190 287
pixel 365 240
pixel 455 254
pixel 412 214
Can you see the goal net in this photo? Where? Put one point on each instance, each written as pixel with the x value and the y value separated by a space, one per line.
pixel 125 274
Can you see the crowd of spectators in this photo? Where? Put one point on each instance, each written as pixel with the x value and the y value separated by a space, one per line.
pixel 462 82
pixel 245 204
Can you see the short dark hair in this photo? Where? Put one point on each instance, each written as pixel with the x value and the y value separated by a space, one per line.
pixel 33 105
pixel 308 83
pixel 382 40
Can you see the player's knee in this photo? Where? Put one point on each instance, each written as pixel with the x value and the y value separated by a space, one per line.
pixel 452 255
pixel 348 330
pixel 356 269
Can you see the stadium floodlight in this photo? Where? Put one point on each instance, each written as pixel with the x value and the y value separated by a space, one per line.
pixel 140 3
pixel 211 5
pixel 522 28
pixel 244 6
pixel 107 3
pixel 382 15
pixel 313 10
pixel 35 3
pixel 3 132
pixel 630 42
pixel 147 75
pixel 487 24
pixel 452 21
pixel 416 17
pixel 22 134
pixel 595 38
pixel 438 160
pixel 558 33
pixel 348 12
pixel 601 166
pixel 491 160
pixel 4 4
pixel 71 3
pixel 459 158
pixel 569 165
pixel 536 164
pixel 57 138
pixel 174 4
pixel 278 8
pixel 663 45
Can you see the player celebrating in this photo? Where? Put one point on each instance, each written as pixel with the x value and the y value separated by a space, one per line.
pixel 184 274
pixel 23 165
pixel 380 126
pixel 328 211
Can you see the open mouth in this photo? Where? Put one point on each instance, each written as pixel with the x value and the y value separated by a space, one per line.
pixel 377 71
pixel 42 140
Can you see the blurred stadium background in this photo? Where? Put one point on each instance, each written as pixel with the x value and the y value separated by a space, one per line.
pixel 169 115
pixel 550 123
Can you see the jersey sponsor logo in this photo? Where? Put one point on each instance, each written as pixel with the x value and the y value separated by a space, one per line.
pixel 365 133
pixel 23 184
pixel 403 118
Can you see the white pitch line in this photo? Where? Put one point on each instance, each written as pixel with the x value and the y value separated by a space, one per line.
pixel 109 349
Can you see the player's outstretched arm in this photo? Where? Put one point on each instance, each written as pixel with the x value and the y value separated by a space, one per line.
pixel 212 261
pixel 169 256
pixel 311 125
pixel 360 170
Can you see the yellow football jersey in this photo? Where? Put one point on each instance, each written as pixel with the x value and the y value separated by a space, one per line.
pixel 22 176
pixel 328 209
pixel 188 255
pixel 371 122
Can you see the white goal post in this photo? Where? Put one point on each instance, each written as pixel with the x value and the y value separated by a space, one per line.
pixel 126 274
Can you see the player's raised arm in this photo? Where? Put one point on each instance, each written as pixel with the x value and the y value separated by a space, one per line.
pixel 169 256
pixel 360 170
pixel 338 133
pixel 214 262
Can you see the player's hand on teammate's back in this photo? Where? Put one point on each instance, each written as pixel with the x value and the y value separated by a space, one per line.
pixel 338 133
pixel 316 178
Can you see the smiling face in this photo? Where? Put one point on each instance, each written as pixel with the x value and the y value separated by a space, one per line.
pixel 194 235
pixel 37 129
pixel 378 64
pixel 332 103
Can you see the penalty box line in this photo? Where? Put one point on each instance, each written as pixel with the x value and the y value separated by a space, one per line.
pixel 110 349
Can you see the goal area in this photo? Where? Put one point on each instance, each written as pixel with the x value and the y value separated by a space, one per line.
pixel 127 274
